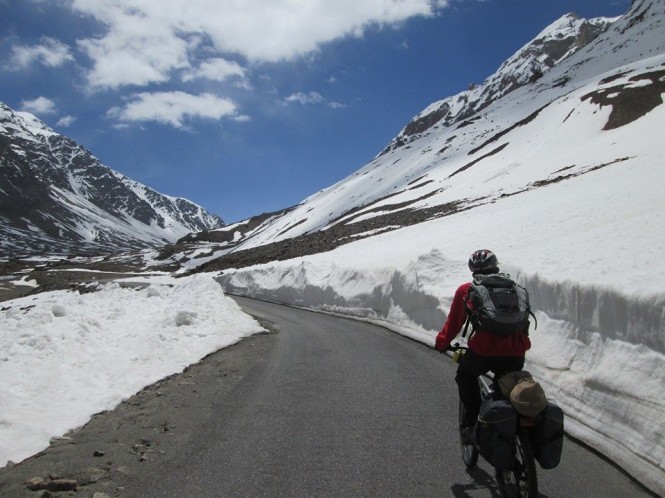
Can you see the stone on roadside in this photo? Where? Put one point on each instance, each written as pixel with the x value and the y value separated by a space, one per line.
pixel 35 483
pixel 62 485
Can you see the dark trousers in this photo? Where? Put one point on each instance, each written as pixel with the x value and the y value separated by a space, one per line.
pixel 471 366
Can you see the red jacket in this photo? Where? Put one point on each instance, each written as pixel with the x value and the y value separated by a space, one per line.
pixel 481 342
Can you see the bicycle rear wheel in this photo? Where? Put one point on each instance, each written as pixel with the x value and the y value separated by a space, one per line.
pixel 520 481
pixel 469 448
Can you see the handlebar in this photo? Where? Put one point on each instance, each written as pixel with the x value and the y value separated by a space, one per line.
pixel 458 351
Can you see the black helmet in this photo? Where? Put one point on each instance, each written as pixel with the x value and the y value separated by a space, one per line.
pixel 483 261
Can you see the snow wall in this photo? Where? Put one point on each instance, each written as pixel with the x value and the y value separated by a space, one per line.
pixel 598 353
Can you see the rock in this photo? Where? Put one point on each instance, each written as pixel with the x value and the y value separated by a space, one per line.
pixel 100 495
pixel 62 485
pixel 98 454
pixel 91 476
pixel 35 484
pixel 123 470
pixel 58 440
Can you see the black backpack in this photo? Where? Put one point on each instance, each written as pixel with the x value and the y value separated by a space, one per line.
pixel 497 304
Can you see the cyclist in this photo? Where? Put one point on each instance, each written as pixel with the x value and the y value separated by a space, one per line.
pixel 487 351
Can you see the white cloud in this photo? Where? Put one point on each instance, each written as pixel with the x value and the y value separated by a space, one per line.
pixel 216 69
pixel 135 52
pixel 174 107
pixel 66 121
pixel 50 52
pixel 311 98
pixel 147 40
pixel 305 98
pixel 40 105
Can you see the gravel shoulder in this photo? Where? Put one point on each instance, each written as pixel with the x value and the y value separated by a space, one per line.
pixel 122 443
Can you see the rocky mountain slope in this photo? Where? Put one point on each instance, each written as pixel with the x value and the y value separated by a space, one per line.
pixel 556 43
pixel 57 198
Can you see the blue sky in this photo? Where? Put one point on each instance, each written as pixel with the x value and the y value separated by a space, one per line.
pixel 250 106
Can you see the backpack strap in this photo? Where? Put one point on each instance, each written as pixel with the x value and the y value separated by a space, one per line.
pixel 469 315
pixel 534 319
pixel 466 325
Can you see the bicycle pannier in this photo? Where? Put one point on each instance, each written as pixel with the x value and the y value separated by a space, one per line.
pixel 497 429
pixel 547 436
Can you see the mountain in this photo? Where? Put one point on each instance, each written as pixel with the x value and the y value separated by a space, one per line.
pixel 56 197
pixel 554 111
pixel 559 41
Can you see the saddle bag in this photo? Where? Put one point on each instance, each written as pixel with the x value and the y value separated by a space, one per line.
pixel 497 429
pixel 547 436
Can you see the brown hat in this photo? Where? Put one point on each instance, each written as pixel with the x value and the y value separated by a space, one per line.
pixel 528 397
pixel 508 381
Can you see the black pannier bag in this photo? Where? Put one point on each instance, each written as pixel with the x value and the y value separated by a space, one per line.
pixel 547 436
pixel 497 429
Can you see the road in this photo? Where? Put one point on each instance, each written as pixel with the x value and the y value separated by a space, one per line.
pixel 345 408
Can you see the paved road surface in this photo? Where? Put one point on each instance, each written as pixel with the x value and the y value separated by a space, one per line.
pixel 343 408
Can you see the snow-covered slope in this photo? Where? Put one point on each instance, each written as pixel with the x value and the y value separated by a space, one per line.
pixel 57 197
pixel 555 102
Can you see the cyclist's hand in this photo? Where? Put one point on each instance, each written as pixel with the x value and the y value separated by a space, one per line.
pixel 453 347
pixel 458 352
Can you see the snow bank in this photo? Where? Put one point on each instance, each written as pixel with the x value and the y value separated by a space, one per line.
pixel 66 356
pixel 599 353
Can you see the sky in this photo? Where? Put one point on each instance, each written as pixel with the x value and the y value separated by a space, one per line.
pixel 250 107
